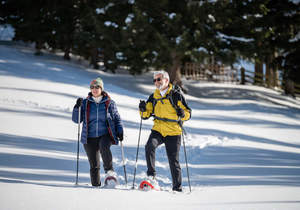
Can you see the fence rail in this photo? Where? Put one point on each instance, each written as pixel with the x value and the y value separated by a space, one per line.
pixel 222 73
pixel 208 72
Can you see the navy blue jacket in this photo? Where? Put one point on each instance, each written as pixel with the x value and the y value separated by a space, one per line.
pixel 99 119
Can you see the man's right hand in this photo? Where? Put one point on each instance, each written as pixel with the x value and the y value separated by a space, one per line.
pixel 142 106
pixel 78 102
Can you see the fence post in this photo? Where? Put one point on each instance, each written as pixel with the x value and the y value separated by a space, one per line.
pixel 243 80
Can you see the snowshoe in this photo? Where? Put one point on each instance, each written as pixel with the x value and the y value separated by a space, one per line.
pixel 149 184
pixel 146 186
pixel 110 180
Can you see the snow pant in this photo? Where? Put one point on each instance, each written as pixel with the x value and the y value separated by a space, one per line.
pixel 172 144
pixel 93 148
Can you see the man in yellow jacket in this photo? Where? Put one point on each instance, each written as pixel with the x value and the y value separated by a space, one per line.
pixel 169 109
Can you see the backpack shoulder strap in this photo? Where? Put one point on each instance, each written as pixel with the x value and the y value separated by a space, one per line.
pixel 173 96
pixel 177 95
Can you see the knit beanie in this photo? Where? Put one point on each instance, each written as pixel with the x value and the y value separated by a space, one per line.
pixel 98 81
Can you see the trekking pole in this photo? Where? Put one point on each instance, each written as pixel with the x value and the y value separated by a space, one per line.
pixel 124 165
pixel 137 152
pixel 186 163
pixel 77 165
pixel 185 156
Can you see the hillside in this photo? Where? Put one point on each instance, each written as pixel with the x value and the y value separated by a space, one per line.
pixel 243 143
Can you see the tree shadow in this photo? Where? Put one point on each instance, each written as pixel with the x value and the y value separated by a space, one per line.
pixel 272 102
pixel 53 68
pixel 247 121
pixel 51 160
pixel 37 113
pixel 216 166
pixel 235 135
pixel 40 91
pixel 230 166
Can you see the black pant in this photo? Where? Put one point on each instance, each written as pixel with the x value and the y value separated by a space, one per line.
pixel 93 147
pixel 172 144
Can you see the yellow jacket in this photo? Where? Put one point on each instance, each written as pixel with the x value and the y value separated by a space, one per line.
pixel 164 109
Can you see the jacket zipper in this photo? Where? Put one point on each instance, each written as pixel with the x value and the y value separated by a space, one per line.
pixel 97 105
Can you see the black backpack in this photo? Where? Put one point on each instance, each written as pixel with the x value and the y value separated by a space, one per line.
pixel 174 96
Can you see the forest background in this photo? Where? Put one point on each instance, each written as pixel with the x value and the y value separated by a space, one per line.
pixel 142 35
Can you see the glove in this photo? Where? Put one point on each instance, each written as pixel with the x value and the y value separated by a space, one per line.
pixel 142 106
pixel 180 112
pixel 120 136
pixel 78 102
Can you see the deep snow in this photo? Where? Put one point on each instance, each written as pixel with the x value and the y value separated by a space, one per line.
pixel 243 142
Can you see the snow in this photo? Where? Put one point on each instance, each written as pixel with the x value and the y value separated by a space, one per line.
pixel 243 143
pixel 7 32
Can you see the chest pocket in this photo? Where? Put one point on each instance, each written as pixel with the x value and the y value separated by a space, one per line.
pixel 163 108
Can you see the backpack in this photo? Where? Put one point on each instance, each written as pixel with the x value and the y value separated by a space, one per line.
pixel 174 95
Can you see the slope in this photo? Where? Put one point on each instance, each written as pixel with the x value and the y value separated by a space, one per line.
pixel 243 142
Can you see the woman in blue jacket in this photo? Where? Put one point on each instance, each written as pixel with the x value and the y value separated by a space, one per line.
pixel 102 127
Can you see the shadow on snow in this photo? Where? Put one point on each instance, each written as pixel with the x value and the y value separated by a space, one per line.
pixel 213 166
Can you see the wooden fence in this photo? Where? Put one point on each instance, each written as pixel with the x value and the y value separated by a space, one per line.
pixel 225 74
pixel 251 77
pixel 297 88
pixel 208 72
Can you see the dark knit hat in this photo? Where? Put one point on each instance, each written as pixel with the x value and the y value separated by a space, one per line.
pixel 98 81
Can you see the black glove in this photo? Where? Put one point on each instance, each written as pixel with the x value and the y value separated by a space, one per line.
pixel 180 112
pixel 142 106
pixel 120 136
pixel 78 102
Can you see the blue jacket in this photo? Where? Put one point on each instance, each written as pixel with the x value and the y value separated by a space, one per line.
pixel 99 119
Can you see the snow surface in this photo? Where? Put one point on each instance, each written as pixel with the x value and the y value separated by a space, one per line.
pixel 7 32
pixel 243 142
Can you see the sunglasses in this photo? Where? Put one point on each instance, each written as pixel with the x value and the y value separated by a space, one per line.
pixel 158 80
pixel 94 86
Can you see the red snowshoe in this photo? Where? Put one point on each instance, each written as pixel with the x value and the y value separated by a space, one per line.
pixel 149 184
